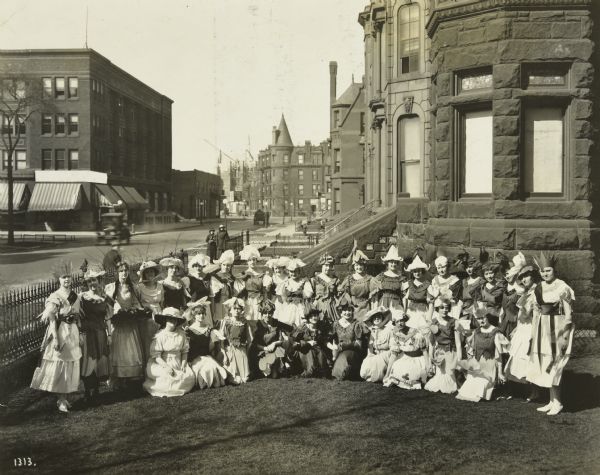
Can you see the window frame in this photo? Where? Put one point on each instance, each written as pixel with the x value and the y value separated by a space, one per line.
pixel 71 160
pixel 51 162
pixel 59 93
pixel 70 129
pixel 57 122
pixel 70 88
pixel 459 175
pixel 399 43
pixel 536 102
pixel 57 160
pixel 51 116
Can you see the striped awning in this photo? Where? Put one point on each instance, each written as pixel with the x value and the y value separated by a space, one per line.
pixel 18 196
pixel 129 199
pixel 143 202
pixel 55 197
pixel 106 196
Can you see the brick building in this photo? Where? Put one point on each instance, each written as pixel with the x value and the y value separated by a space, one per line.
pixel 196 194
pixel 96 118
pixel 292 179
pixel 508 105
pixel 347 135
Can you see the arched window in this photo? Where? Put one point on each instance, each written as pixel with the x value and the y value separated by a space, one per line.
pixel 409 39
pixel 410 151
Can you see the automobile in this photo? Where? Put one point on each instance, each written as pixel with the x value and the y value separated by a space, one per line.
pixel 113 229
pixel 259 217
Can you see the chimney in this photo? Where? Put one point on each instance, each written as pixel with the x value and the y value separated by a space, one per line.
pixel 275 134
pixel 332 81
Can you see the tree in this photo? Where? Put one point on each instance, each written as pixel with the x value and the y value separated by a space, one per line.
pixel 20 98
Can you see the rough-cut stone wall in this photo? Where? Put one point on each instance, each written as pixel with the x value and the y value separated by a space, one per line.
pixel 506 37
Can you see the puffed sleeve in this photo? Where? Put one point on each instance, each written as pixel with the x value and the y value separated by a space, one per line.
pixel 215 286
pixel 267 281
pixel 502 344
pixel 374 285
pixel 50 311
pixel 239 285
pixel 155 347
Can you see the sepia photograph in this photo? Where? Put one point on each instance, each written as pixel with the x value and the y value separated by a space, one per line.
pixel 300 236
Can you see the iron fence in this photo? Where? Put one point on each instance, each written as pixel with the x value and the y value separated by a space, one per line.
pixel 21 331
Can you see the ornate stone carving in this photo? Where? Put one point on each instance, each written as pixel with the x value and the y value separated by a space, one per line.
pixel 408 104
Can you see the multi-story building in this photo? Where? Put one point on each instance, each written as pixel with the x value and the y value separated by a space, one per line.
pixel 99 127
pixel 196 194
pixel 347 135
pixel 293 179
pixel 502 98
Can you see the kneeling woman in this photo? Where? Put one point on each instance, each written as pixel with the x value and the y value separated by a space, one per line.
pixel 205 347
pixel 309 341
pixel 168 373
pixel 485 367
pixel 267 351
pixel 409 370
pixel 374 366
pixel 347 346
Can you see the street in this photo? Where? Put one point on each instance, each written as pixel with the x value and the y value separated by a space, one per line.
pixel 36 264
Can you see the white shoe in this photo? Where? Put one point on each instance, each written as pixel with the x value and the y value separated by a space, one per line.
pixel 545 408
pixel 556 408
pixel 62 406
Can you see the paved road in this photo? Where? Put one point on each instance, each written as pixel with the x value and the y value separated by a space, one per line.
pixel 36 265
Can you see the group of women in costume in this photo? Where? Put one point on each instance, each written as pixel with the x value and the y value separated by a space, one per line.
pixel 459 330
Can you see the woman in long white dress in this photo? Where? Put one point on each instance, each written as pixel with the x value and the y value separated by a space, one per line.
pixel 374 367
pixel 237 336
pixel 255 284
pixel 444 286
pixel 59 371
pixel 151 297
pixel 168 373
pixel 552 333
pixel 294 293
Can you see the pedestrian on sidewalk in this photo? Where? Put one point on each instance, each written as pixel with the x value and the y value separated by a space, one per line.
pixel 211 245
pixel 222 239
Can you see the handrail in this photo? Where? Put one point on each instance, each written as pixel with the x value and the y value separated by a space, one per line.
pixel 366 207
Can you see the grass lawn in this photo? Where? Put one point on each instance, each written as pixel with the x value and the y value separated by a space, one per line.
pixel 301 426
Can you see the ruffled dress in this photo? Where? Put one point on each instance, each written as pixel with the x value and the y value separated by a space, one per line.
pixel 491 297
pixel 409 371
pixel 374 366
pixel 359 291
pixel 59 371
pixel 444 357
pixel 126 352
pixel 95 349
pixel 236 355
pixel 312 358
pixel 349 338
pixel 254 290
pixel 417 306
pixel 517 365
pixel 204 347
pixel 172 347
pixel 488 345
pixel 275 290
pixel 294 294
pixel 151 299
pixel 547 359
pixel 325 292
pixel 386 290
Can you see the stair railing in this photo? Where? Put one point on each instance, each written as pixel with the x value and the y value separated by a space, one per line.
pixel 359 214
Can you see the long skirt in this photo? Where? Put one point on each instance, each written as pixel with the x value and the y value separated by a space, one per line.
pixel 517 365
pixel 209 373
pixel 270 361
pixel 95 354
pixel 159 381
pixel 444 379
pixel 480 381
pixel 236 363
pixel 409 372
pixel 59 371
pixel 126 354
pixel 546 360
pixel 374 367
pixel 347 365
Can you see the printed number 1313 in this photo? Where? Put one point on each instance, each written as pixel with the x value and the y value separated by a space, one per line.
pixel 23 462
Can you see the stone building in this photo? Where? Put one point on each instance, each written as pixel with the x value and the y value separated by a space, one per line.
pixel 196 194
pixel 292 178
pixel 100 121
pixel 507 104
pixel 347 135
pixel 397 95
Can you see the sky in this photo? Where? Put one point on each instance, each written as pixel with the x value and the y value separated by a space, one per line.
pixel 232 67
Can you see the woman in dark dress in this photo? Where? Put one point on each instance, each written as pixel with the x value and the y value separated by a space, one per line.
pixel 197 282
pixel 309 343
pixel 357 284
pixel 175 293
pixel 267 352
pixel 386 288
pixel 348 344
pixel 223 287
pixel 94 318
